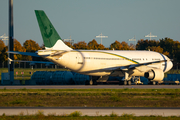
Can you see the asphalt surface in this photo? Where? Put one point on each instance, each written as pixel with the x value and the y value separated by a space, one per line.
pixel 90 86
pixel 90 111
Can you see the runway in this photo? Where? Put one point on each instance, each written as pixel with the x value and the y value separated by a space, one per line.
pixel 90 86
pixel 90 111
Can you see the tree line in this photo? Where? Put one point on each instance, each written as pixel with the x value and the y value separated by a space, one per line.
pixel 166 46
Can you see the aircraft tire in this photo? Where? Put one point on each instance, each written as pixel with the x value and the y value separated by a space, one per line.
pixel 154 83
pixel 91 82
pixel 125 82
pixel 88 82
pixel 129 82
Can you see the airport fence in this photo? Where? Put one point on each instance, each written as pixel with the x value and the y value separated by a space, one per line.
pixel 28 65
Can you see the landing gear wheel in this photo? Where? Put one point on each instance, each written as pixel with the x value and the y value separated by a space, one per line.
pixel 125 82
pixel 129 82
pixel 90 82
pixel 154 83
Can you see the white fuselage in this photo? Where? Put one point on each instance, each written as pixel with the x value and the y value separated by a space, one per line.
pixel 103 62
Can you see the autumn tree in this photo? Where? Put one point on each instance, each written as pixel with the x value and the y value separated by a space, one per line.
pixel 142 44
pixel 101 47
pixel 168 45
pixel 3 50
pixel 31 46
pixel 125 46
pixel 18 47
pixel 2 45
pixel 4 55
pixel 154 48
pixel 173 47
pixel 116 45
pixel 157 49
pixel 93 45
pixel 80 45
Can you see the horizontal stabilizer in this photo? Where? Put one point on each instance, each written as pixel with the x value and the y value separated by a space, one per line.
pixel 24 53
pixel 43 62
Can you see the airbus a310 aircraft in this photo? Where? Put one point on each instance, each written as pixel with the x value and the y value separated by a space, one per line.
pixel 101 63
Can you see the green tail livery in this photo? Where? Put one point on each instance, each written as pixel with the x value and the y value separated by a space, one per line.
pixel 51 38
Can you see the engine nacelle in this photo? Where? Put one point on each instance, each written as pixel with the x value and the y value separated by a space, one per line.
pixel 154 74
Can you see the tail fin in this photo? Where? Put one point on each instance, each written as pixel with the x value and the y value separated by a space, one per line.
pixel 51 38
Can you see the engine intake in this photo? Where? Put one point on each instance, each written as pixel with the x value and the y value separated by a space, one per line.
pixel 154 74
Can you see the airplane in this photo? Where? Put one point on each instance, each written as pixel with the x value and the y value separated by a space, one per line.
pixel 99 63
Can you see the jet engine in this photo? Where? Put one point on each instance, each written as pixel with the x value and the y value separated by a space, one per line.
pixel 154 74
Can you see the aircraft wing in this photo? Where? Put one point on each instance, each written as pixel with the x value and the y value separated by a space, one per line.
pixel 141 67
pixel 148 63
pixel 24 53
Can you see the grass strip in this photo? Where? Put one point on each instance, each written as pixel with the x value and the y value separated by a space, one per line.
pixel 126 90
pixel 90 97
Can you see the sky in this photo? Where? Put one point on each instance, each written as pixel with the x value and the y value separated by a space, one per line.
pixel 84 19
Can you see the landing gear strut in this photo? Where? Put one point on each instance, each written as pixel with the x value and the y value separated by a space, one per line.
pixel 92 81
pixel 127 78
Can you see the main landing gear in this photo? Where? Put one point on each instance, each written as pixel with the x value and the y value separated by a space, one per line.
pixel 125 82
pixel 127 79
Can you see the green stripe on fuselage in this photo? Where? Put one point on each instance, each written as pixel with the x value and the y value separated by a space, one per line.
pixel 120 56
pixel 109 54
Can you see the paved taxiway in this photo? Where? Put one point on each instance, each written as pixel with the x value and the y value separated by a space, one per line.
pixel 90 86
pixel 91 111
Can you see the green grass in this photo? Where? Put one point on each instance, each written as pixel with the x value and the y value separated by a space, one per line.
pixel 96 91
pixel 75 114
pixel 90 97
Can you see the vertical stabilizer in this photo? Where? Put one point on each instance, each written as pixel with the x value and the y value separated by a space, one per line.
pixel 51 38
